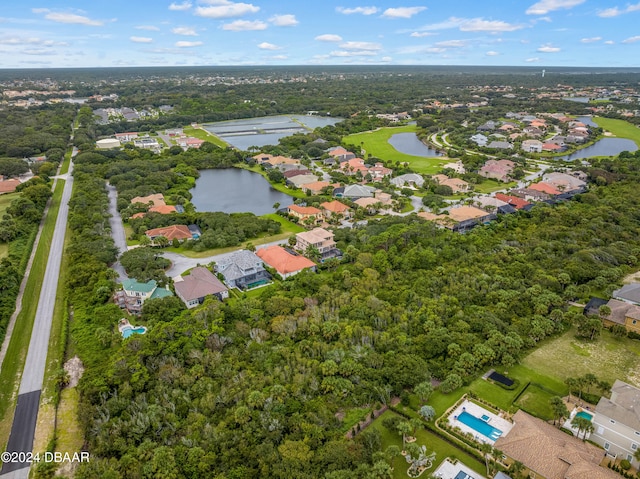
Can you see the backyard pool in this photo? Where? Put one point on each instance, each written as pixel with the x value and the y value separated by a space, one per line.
pixel 585 415
pixel 479 425
pixel 127 331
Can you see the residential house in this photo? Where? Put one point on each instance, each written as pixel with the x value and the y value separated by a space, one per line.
pixel 304 213
pixel 408 179
pixel 494 205
pixel 456 166
pixel 241 269
pixel 134 294
pixel 146 142
pixel 441 220
pixel 500 145
pixel 271 160
pixel 497 169
pixel 188 142
pixel 335 208
pixel 545 187
pixel 479 139
pixel 174 132
pixel 354 166
pixel 286 264
pixel 200 283
pixel 533 131
pixel 124 137
pixel 616 422
pixel 456 184
pixel 370 205
pixel 517 203
pixel 530 195
pixel 340 153
pixel 316 187
pixel 296 172
pixel 552 147
pixel 173 232
pixel 156 199
pixel 163 209
pixel 379 171
pixel 565 182
pixel 354 192
pixel 531 146
pixel 623 314
pixel 320 239
pixel 300 180
pixel 629 293
pixel 547 452
pixel 488 126
pixel 467 217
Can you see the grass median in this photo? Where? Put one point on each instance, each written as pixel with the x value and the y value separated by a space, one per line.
pixel 19 344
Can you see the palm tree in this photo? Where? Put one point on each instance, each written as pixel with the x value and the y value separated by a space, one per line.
pixel 572 384
pixel 403 428
pixel 559 408
pixel 583 425
pixel 486 448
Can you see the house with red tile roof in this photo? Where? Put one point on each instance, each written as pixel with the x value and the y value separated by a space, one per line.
pixel 517 203
pixel 163 209
pixel 353 166
pixel 304 212
pixel 285 263
pixel 340 153
pixel 545 188
pixel 379 171
pixel 8 186
pixel 179 232
pixel 189 142
pixel 551 147
pixel 316 187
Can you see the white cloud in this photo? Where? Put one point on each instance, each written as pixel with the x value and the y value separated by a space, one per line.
pixel 347 53
pixel 591 40
pixel 284 20
pixel 452 44
pixel 227 10
pixel 361 46
pixel 244 25
pixel 632 39
pixel 36 51
pixel 402 12
pixel 151 28
pixel 548 49
pixel 180 6
pixel 492 54
pixel 422 34
pixel 609 42
pixel 386 59
pixel 361 10
pixel 482 25
pixel 280 57
pixel 141 39
pixel 268 46
pixel 615 11
pixel 183 44
pixel 187 31
pixel 532 60
pixel 72 18
pixel 329 37
pixel 435 50
pixel 545 6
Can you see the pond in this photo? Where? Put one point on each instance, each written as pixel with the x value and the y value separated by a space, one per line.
pixel 266 130
pixel 587 120
pixel 233 190
pixel 603 147
pixel 409 144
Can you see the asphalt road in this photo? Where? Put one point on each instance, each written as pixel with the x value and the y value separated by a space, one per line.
pixel 26 414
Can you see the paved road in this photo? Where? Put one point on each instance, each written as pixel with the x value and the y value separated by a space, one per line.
pixel 181 263
pixel 26 413
pixel 117 230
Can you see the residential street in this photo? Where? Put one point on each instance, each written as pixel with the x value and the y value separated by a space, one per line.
pixel 24 422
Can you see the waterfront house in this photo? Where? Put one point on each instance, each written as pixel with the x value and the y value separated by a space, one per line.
pixel 304 213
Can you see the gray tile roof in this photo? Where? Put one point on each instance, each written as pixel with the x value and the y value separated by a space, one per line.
pixel 629 293
pixel 624 405
pixel 233 265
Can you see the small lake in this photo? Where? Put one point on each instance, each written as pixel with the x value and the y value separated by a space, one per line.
pixel 587 120
pixel 233 190
pixel 409 144
pixel 603 147
pixel 266 130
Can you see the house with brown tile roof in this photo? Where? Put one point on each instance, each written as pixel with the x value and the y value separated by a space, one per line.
pixel 284 262
pixel 353 166
pixel 304 212
pixel 517 203
pixel 296 172
pixel 200 283
pixel 316 187
pixel 331 208
pixel 340 153
pixel 623 314
pixel 300 180
pixel 497 169
pixel 545 188
pixel 163 209
pixel 179 232
pixel 550 453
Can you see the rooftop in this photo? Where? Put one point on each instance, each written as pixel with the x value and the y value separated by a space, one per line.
pixel 198 284
pixel 624 405
pixel 282 261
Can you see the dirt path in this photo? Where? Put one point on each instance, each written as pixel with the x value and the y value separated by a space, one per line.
pixel 632 278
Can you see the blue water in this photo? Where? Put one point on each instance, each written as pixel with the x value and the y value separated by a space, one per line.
pixel 603 147
pixel 129 330
pixel 409 144
pixel 479 425
pixel 585 415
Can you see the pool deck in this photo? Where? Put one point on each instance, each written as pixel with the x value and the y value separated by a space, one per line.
pixel 574 430
pixel 496 421
pixel 449 469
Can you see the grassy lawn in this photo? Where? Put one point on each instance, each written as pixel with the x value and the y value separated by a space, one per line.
pixel 212 252
pixel 536 400
pixel 203 134
pixel 4 250
pixel 620 128
pixel 5 201
pixel 287 226
pixel 442 448
pixel 377 144
pixel 489 186
pixel 609 358
pixel 19 344
pixel 276 186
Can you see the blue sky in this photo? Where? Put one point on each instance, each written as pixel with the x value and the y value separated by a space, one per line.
pixel 56 33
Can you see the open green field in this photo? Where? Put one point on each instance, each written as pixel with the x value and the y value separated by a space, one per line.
pixel 376 143
pixel 490 185
pixel 609 358
pixel 276 186
pixel 287 226
pixel 442 448
pixel 19 344
pixel 5 201
pixel 203 134
pixel 620 128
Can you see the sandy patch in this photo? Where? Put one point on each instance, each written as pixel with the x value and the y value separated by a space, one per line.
pixel 74 369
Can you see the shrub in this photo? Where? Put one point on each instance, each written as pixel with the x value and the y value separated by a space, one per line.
pixel 625 465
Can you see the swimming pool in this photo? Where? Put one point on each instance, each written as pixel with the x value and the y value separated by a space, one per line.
pixel 585 415
pixel 479 425
pixel 130 330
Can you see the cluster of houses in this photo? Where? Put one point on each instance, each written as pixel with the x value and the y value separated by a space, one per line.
pixel 554 187
pixel 623 308
pixel 535 134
